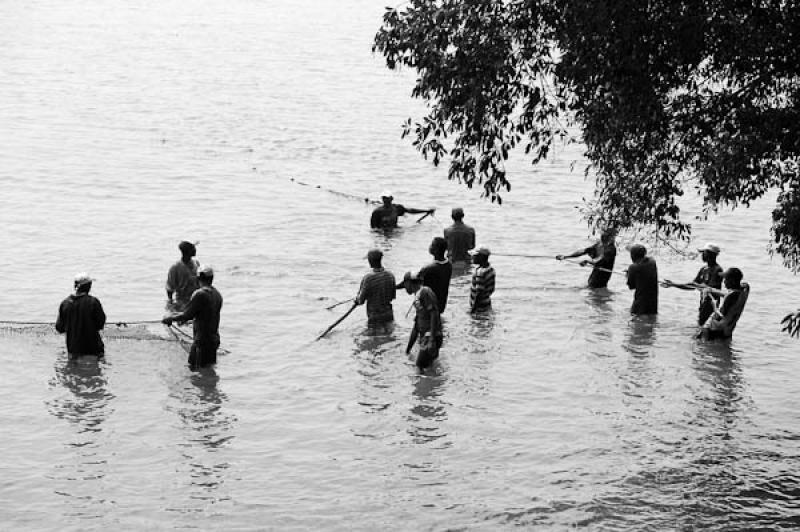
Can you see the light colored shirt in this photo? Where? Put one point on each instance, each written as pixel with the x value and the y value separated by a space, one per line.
pixel 182 280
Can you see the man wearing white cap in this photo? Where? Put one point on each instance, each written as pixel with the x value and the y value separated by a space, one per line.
pixel 81 316
pixel 385 216
pixel 709 276
pixel 204 308
pixel 182 277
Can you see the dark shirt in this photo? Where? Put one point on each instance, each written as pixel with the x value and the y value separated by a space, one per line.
pixel 437 275
pixel 607 254
pixel 482 288
pixel 204 308
pixel 709 276
pixel 385 217
pixel 643 277
pixel 378 290
pixel 460 239
pixel 81 316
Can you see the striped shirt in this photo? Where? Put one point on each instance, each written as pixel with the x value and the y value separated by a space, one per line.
pixel 482 288
pixel 378 290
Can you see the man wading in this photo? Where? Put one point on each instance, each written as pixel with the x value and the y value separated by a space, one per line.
pixel 427 322
pixel 437 274
pixel 603 254
pixel 182 277
pixel 81 316
pixel 377 289
pixel 460 239
pixel 385 216
pixel 709 276
pixel 204 308
pixel 643 278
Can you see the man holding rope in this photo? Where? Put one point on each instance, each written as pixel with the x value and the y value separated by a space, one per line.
pixel 204 308
pixel 709 276
pixel 385 216
pixel 602 255
pixel 81 316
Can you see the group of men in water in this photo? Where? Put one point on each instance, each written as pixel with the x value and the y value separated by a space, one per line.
pixel 715 320
pixel 430 285
pixel 190 297
pixel 717 316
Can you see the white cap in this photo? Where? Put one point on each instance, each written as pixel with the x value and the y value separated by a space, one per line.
pixel 82 279
pixel 386 193
pixel 713 248
pixel 205 271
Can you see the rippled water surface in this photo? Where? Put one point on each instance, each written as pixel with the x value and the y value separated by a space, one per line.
pixel 127 126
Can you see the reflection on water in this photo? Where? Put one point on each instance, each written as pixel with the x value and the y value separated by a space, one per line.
pixel 427 407
pixel 83 400
pixel 87 406
pixel 208 430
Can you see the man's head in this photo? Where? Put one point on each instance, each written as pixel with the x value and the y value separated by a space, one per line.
pixel 481 256
pixel 608 235
pixel 638 252
pixel 709 252
pixel 187 248
pixel 438 247
pixel 733 278
pixel 386 197
pixel 374 257
pixel 205 274
pixel 412 282
pixel 83 283
pixel 457 214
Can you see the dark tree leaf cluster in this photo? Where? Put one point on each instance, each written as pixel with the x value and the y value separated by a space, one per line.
pixel 669 97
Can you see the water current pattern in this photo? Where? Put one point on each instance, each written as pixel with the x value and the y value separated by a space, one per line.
pixel 129 126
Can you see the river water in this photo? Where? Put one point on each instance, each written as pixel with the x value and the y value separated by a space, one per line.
pixel 128 126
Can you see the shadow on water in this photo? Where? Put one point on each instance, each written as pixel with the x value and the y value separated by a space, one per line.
pixel 208 429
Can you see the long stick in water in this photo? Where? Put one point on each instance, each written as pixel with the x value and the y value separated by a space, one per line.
pixel 337 322
pixel 340 303
pixel 423 217
pixel 596 267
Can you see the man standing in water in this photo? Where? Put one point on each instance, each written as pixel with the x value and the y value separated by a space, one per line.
pixel 709 276
pixel 460 239
pixel 602 253
pixel 81 316
pixel 482 282
pixel 723 320
pixel 427 322
pixel 385 216
pixel 204 308
pixel 182 277
pixel 377 289
pixel 643 277
pixel 436 275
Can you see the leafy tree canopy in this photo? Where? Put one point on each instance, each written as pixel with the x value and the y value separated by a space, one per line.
pixel 670 96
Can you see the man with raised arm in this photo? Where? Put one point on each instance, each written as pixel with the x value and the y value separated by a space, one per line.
pixel 602 255
pixel 709 276
pixel 385 216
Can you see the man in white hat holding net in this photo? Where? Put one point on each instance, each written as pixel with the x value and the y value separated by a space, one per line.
pixel 709 276
pixel 81 317
pixel 385 216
